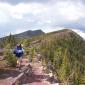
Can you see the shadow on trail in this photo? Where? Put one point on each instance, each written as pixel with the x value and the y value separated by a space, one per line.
pixel 6 73
pixel 32 78
pixel 53 80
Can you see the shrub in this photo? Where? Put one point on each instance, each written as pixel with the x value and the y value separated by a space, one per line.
pixel 10 58
pixel 27 50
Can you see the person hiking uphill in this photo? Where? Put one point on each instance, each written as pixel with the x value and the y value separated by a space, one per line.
pixel 19 52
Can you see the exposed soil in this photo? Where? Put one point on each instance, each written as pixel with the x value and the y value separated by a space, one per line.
pixel 36 77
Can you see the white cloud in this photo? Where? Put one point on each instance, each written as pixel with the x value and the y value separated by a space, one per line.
pixel 3 17
pixel 29 8
pixel 71 11
pixel 19 30
pixel 4 14
pixel 17 16
pixel 40 15
pixel 66 10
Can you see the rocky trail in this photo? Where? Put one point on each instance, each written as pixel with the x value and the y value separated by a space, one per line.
pixel 35 77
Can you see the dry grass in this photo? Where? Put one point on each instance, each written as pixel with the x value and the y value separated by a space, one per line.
pixel 3 64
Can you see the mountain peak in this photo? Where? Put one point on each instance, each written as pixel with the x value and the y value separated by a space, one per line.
pixel 65 33
pixel 30 33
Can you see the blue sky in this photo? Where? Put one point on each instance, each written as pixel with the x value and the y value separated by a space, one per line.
pixel 49 15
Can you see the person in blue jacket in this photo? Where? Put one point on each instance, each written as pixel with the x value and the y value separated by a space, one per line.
pixel 19 52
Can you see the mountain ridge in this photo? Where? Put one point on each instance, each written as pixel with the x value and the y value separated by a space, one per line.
pixel 63 33
pixel 30 33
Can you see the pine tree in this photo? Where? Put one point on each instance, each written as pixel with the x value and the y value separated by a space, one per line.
pixel 10 41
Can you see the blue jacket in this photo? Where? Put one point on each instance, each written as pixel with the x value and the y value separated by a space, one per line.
pixel 19 51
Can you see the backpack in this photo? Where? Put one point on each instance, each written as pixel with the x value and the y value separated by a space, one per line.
pixel 18 52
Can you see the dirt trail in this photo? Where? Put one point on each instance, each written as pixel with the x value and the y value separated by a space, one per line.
pixel 38 77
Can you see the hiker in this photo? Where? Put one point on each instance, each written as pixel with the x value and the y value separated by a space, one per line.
pixel 19 52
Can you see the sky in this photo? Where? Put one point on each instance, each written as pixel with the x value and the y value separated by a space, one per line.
pixel 17 16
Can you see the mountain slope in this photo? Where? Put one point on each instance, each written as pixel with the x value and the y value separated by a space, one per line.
pixel 29 34
pixel 64 33
pixel 17 37
pixel 64 54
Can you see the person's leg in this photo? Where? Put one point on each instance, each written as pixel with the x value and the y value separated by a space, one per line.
pixel 20 61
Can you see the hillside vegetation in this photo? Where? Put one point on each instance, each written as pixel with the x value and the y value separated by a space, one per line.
pixel 63 54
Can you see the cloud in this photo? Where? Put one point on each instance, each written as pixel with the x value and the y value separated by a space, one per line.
pixel 47 15
pixel 3 17
pixel 14 2
pixel 19 30
pixel 38 1
pixel 24 1
pixel 71 11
